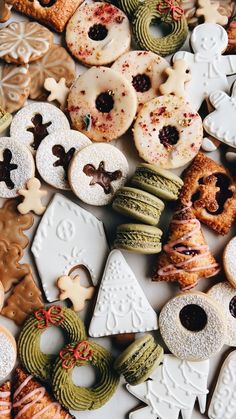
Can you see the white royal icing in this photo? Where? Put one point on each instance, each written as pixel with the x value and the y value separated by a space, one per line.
pixel 68 236
pixel 172 388
pixel 121 305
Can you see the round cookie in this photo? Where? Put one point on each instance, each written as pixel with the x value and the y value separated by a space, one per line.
pixel 55 153
pixel 7 352
pixel 225 295
pixel 35 121
pixel 138 238
pixel 168 132
pixel 16 167
pixel 229 261
pixel 152 12
pixel 14 86
pixel 192 326
pixel 56 63
pixel 97 172
pixel 23 42
pixel 31 356
pixel 98 33
pixel 144 70
pixel 102 104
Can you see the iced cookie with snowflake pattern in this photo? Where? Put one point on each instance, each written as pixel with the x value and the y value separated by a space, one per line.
pixel 14 86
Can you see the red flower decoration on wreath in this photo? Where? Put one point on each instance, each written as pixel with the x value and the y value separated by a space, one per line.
pixel 170 6
pixel 71 354
pixel 53 315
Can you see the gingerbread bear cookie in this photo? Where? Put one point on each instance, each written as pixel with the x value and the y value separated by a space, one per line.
pixel 209 68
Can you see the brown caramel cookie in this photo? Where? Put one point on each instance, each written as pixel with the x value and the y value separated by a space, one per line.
pixel 56 63
pixel 211 190
pixel 54 13
pixel 12 224
pixel 11 271
pixel 14 86
pixel 5 11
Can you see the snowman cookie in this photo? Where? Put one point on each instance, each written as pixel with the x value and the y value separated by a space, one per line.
pixel 55 153
pixel 208 67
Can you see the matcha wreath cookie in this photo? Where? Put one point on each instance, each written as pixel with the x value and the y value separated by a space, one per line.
pixel 84 398
pixel 166 11
pixel 30 354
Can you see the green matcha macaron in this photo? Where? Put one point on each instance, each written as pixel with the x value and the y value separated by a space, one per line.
pixel 159 182
pixel 138 238
pixel 139 360
pixel 139 205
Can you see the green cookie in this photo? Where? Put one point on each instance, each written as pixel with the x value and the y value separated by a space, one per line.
pixel 138 238
pixel 159 182
pixel 139 205
pixel 139 360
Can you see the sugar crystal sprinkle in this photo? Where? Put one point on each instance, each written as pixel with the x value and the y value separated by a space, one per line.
pixel 7 356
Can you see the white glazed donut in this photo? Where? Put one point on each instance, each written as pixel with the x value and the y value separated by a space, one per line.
pixel 192 326
pixel 98 33
pixel 55 153
pixel 229 261
pixel 144 70
pixel 97 172
pixel 225 295
pixel 102 104
pixel 168 132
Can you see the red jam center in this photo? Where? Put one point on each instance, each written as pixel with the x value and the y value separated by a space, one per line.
pixel 193 317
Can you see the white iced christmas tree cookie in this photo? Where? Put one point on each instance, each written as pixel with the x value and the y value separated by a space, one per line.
pixel 121 305
pixel 173 388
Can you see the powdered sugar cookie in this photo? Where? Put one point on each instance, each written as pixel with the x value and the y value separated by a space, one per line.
pixel 14 86
pixel 96 172
pixel 225 295
pixel 8 352
pixel 16 167
pixel 55 153
pixel 229 261
pixel 144 70
pixel 98 33
pixel 22 42
pixel 192 326
pixel 102 104
pixel 168 132
pixel 35 121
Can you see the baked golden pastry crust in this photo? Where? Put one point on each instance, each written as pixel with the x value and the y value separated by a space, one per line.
pixel 211 190
pixel 186 257
pixel 5 400
pixel 54 13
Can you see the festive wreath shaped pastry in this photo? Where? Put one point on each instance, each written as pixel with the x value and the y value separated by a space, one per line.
pixel 30 354
pixel 79 354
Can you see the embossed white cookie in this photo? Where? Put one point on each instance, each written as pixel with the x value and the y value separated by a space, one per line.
pixel 68 236
pixel 121 306
pixel 55 153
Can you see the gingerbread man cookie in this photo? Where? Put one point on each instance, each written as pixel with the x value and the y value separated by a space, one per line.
pixel 11 271
pixel 72 289
pixel 59 90
pixel 207 66
pixel 210 12
pixel 177 77
pixel 32 198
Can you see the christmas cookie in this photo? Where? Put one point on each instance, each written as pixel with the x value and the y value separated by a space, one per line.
pixel 192 326
pixel 97 172
pixel 71 288
pixel 58 91
pixel 11 271
pixel 144 70
pixel 138 238
pixel 54 13
pixel 2 295
pixel 230 262
pixel 14 86
pixel 162 183
pixel 176 79
pixel 16 167
pixel 224 7
pixel 5 400
pixel 98 33
pixel 32 196
pixel 5 119
pixel 23 42
pixel 84 398
pixel 208 67
pixel 209 12
pixel 225 295
pixel 56 63
pixel 5 11
pixel 8 353
pixel 55 154
pixel 231 31
pixel 35 121
pixel 30 354
pixel 168 12
pixel 168 132
pixel 102 104
pixel 139 360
